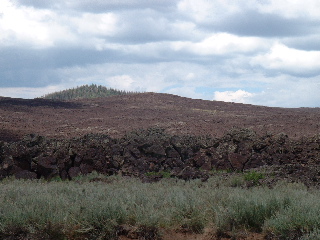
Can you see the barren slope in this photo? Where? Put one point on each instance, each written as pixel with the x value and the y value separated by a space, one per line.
pixel 116 115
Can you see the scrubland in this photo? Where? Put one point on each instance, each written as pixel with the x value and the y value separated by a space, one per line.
pixel 101 207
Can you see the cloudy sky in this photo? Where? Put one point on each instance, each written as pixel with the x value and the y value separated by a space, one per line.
pixel 264 52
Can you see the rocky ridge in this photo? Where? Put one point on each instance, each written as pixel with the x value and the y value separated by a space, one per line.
pixel 153 154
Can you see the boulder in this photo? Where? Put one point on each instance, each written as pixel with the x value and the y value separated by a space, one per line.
pixel 25 174
pixel 74 172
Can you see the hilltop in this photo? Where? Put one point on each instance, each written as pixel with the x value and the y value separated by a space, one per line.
pixel 85 91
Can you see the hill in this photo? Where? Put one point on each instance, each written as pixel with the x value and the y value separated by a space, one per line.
pixel 85 91
pixel 116 115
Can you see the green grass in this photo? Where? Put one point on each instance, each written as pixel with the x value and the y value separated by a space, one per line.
pixel 253 176
pixel 301 217
pixel 95 207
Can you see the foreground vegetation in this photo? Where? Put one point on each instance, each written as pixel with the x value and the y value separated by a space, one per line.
pixel 85 91
pixel 99 207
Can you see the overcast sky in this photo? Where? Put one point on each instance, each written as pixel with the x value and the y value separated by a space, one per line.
pixel 264 52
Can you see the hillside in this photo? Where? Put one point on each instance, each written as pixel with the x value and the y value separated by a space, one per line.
pixel 85 91
pixel 115 115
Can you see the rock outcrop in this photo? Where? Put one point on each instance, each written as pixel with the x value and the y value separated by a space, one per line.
pixel 153 151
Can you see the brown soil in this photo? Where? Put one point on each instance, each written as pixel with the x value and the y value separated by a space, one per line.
pixel 117 115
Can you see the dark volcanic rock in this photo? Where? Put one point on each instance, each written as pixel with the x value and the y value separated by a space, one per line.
pixel 74 172
pixel 154 153
pixel 24 174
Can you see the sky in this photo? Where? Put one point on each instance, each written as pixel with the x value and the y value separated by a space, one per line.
pixel 262 52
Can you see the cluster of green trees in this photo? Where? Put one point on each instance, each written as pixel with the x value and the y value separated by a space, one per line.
pixel 85 91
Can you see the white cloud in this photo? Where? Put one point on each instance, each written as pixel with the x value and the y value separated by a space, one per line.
pixel 124 82
pixel 204 11
pixel 239 96
pixel 46 28
pixel 190 76
pixel 186 91
pixel 280 91
pixel 28 92
pixel 221 44
pixel 288 93
pixel 29 26
pixel 291 8
pixel 292 61
pixel 208 11
pixel 104 24
pixel 43 28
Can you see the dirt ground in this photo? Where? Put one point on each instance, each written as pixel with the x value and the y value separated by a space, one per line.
pixel 118 114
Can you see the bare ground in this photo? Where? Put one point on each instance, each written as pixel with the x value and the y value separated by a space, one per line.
pixel 178 115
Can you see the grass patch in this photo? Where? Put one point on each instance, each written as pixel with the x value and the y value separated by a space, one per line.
pixel 236 181
pixel 246 209
pixel 253 176
pixel 301 217
pixel 100 207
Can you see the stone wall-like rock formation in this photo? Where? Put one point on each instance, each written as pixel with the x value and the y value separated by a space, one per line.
pixel 153 150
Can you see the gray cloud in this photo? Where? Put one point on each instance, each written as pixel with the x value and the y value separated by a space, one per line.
pixel 235 49
pixel 251 23
pixel 36 67
pixel 99 6
pixel 307 43
pixel 143 26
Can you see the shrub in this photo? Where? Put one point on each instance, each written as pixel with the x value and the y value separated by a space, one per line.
pixel 299 219
pixel 236 181
pixel 249 210
pixel 253 176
